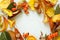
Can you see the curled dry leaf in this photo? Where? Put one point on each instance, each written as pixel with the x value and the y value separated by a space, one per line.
pixel 18 35
pixel 7 11
pixel 45 19
pixel 19 6
pixel 11 22
pixel 38 5
pixel 12 1
pixel 31 38
pixel 12 34
pixel 14 14
pixel 4 3
pixel 56 18
pixel 5 25
pixel 44 4
pixel 50 3
pixel 57 38
pixel 57 28
pixel 25 7
pixel 1 20
pixel 50 12
pixel 31 4
pixel 38 8
pixel 51 23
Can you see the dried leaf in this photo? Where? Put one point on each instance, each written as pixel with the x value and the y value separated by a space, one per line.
pixel 57 11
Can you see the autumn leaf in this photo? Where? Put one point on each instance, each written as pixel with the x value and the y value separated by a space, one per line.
pixel 57 11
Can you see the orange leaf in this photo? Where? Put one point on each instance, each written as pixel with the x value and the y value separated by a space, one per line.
pixel 18 34
pixel 51 23
pixel 5 25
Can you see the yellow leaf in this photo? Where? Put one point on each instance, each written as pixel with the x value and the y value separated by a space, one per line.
pixel 31 4
pixel 31 38
pixel 50 12
pixel 4 3
pixel 57 38
pixel 8 12
pixel 45 19
pixel 56 18
pixel 5 25
pixel 53 1
pixel 12 23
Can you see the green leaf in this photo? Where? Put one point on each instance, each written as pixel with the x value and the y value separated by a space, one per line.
pixel 5 36
pixel 58 33
pixel 57 11
pixel 11 6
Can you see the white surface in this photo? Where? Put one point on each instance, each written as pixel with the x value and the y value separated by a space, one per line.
pixel 32 23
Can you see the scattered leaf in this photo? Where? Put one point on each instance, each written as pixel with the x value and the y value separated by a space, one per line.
pixel 11 5
pixel 56 18
pixel 31 38
pixel 8 12
pixel 57 11
pixel 5 25
pixel 4 3
pixel 12 34
pixel 50 12
pixel 5 36
pixel 12 23
pixel 31 4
